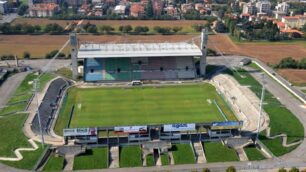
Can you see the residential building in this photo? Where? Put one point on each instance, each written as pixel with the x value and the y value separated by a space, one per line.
pixel 137 9
pixel 199 6
pixel 296 21
pixel 263 6
pixel 120 9
pixel 249 8
pixel 43 9
pixel 3 7
pixel 282 7
pixel 158 6
pixel 187 8
pixel 172 11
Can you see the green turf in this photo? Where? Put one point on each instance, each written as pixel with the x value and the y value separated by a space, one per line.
pixel 130 156
pixel 281 119
pixel 142 105
pixel 28 161
pixel 183 154
pixel 54 163
pixel 164 159
pixel 253 153
pixel 11 135
pixel 150 161
pixel 95 158
pixel 275 146
pixel 216 152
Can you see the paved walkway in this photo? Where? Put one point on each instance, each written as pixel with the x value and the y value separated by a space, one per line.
pixel 8 88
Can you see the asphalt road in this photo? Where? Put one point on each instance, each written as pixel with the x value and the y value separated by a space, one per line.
pixel 9 87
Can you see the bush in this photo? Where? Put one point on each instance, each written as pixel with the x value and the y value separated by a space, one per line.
pixel 53 28
pixel 162 30
pixel 141 29
pixel 282 170
pixel 231 169
pixel 294 169
pixel 53 53
pixel 7 57
pixel 125 28
pixel 26 55
pixel 206 170
pixel 106 29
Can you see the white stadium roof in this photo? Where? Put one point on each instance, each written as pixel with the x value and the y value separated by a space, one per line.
pixel 138 50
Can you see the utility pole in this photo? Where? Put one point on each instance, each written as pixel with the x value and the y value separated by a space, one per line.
pixel 36 87
pixel 260 105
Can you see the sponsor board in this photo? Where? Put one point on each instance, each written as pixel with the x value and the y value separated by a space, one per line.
pixel 226 125
pixel 80 132
pixel 131 129
pixel 179 127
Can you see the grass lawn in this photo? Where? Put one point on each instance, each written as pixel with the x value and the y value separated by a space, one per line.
pixel 28 161
pixel 275 146
pixel 142 105
pixel 253 153
pixel 150 161
pixel 183 154
pixel 165 159
pixel 95 158
pixel 54 164
pixel 281 119
pixel 11 135
pixel 130 156
pixel 216 152
pixel 23 93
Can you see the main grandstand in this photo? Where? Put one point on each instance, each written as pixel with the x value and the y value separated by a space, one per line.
pixel 139 61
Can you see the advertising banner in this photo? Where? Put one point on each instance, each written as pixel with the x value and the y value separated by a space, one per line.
pixel 131 129
pixel 226 125
pixel 179 127
pixel 80 132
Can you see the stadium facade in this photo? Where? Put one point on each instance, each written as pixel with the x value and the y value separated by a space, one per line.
pixel 138 61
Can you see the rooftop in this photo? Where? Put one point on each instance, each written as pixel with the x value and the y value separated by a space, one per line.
pixel 138 50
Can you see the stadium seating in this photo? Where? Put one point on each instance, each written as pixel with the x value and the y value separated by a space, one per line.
pixel 49 105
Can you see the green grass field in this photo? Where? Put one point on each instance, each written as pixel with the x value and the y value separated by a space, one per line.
pixel 216 152
pixel 253 153
pixel 150 161
pixel 183 154
pixel 11 135
pixel 164 159
pixel 130 156
pixel 95 158
pixel 281 119
pixel 142 105
pixel 54 164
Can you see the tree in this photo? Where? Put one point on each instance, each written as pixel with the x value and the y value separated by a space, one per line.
pixel 26 55
pixel 288 62
pixel 92 29
pixel 149 9
pixel 206 170
pixel 304 28
pixel 220 27
pixel 302 64
pixel 106 29
pixel 22 9
pixel 176 29
pixel 294 169
pixel 231 169
pixel 162 30
pixel 141 29
pixel 125 28
pixel 53 28
pixel 282 170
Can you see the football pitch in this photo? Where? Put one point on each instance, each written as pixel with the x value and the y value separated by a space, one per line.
pixel 143 105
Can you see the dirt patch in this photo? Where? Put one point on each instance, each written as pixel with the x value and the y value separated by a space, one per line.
pixel 295 76
pixel 272 53
pixel 39 45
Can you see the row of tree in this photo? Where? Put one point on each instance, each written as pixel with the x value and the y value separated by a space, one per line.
pixel 25 28
pixel 289 62
pixel 27 55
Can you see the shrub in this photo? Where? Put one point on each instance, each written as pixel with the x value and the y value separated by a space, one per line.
pixel 294 169
pixel 282 170
pixel 53 53
pixel 231 169
pixel 206 170
pixel 26 55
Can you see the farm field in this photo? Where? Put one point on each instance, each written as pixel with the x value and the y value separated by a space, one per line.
pixel 142 106
pixel 39 45
pixel 217 152
pixel 185 24
pixel 95 158
pixel 267 52
pixel 295 76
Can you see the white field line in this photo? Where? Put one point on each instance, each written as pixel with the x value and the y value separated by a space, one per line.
pixel 18 152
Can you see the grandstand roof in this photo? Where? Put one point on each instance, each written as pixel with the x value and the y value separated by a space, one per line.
pixel 138 50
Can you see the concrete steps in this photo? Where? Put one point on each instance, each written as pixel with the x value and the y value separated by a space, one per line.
pixel 199 152
pixel 114 157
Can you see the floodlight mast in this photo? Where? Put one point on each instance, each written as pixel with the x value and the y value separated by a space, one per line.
pixel 36 86
pixel 260 105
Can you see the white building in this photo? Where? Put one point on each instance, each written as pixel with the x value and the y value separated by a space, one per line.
pixel 249 8
pixel 3 7
pixel 120 9
pixel 263 6
pixel 43 9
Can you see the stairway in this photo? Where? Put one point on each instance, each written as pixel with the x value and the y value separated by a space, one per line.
pixel 199 152
pixel 114 157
